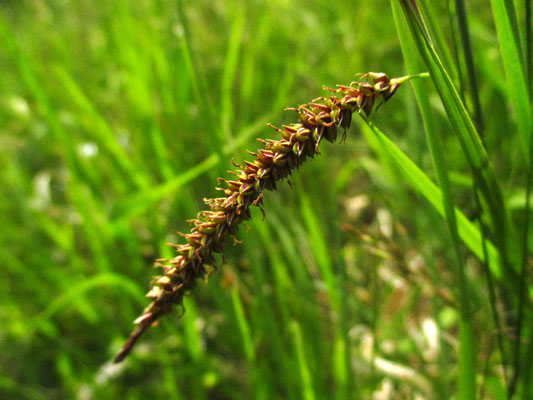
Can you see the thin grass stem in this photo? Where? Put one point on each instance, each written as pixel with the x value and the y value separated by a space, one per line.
pixel 524 298
pixel 471 90
pixel 472 84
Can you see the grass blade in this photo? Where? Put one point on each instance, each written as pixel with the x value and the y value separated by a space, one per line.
pixel 472 86
pixel 66 299
pixel 470 90
pixel 431 14
pixel 242 323
pixel 230 70
pixel 320 247
pixel 527 385
pixel 506 26
pixel 99 127
pixel 197 81
pixel 470 142
pixel 467 351
pixel 423 185
pixel 305 375
pixel 529 47
pixel 518 83
pixel 524 299
pixel 194 344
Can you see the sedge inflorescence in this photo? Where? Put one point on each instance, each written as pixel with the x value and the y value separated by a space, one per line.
pixel 320 119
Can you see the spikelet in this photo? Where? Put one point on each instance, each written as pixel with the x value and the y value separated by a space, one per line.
pixel 316 121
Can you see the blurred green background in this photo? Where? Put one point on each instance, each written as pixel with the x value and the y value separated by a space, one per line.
pixel 117 117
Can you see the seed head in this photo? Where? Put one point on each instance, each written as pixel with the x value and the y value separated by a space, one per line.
pixel 320 119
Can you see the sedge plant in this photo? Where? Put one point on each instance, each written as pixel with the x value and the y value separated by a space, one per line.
pixel 111 128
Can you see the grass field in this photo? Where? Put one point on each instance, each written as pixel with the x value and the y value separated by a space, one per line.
pixel 397 265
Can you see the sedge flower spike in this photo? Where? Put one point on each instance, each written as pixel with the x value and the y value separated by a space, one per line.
pixel 195 259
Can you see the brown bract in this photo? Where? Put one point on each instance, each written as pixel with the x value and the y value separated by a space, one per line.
pixel 195 259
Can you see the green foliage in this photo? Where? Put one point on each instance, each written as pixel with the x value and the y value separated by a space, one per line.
pixel 378 272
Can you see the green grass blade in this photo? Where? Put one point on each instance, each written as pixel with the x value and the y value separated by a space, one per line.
pixel 472 86
pixel 470 142
pixel 141 202
pixel 194 343
pixel 230 68
pixel 423 185
pixel 438 35
pixel 289 248
pixel 467 350
pixel 244 328
pixel 66 299
pixel 267 321
pixel 455 109
pixel 471 90
pixel 96 231
pixel 98 126
pixel 529 48
pixel 527 384
pixel 281 278
pixel 320 248
pixel 518 81
pixel 524 367
pixel 305 375
pixel 509 40
pixel 259 384
pixel 524 299
pixel 197 81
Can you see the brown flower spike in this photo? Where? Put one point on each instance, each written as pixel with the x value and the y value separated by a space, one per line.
pixel 317 120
